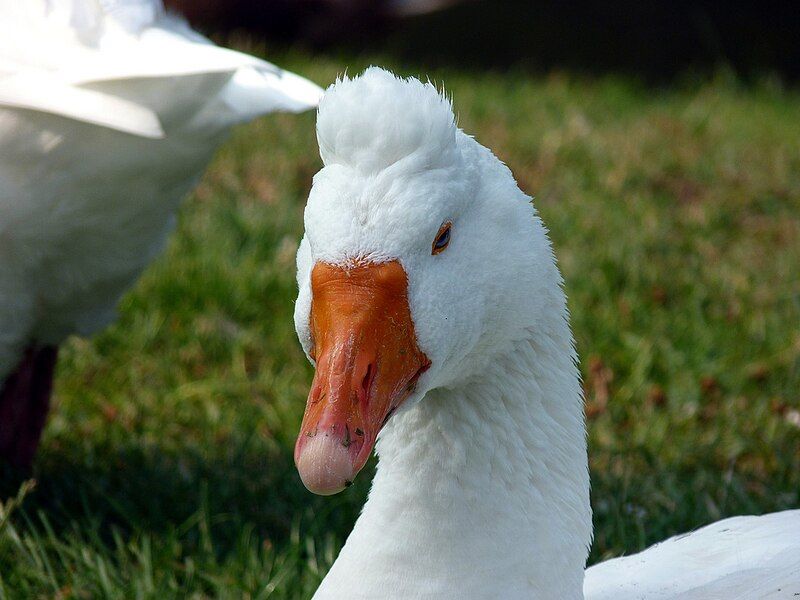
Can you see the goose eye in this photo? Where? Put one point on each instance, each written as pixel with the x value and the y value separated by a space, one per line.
pixel 442 239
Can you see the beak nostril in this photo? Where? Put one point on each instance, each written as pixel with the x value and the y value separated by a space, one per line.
pixel 366 382
pixel 317 395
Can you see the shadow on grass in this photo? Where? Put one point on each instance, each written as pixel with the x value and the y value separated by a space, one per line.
pixel 135 489
pixel 637 500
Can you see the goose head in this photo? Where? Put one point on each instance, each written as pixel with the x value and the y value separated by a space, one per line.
pixel 421 259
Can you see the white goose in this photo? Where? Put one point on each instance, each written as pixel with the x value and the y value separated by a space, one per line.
pixel 109 112
pixel 427 284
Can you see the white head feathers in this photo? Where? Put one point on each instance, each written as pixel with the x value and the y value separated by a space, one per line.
pixel 396 169
pixel 377 119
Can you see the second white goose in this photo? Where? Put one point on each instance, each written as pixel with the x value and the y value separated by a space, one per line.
pixel 109 112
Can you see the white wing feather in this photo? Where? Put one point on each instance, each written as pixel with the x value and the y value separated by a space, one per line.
pixel 255 91
pixel 93 41
pixel 46 94
pixel 741 558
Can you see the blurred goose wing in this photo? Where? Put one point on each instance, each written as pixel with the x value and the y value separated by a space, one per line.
pixel 90 43
pixel 46 94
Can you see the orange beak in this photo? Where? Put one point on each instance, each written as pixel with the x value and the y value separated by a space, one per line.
pixel 368 363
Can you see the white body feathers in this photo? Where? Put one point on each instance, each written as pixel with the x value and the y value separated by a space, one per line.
pixel 482 488
pixel 109 112
pixel 741 558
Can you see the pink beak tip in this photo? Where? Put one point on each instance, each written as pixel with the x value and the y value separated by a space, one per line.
pixel 325 465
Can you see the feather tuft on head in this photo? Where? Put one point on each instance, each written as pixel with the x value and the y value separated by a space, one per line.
pixel 375 120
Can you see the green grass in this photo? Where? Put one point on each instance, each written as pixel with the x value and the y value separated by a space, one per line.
pixel 166 469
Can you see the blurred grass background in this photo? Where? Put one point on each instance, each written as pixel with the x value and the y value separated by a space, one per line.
pixel 166 469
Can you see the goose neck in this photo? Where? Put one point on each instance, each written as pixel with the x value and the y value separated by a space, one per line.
pixel 482 489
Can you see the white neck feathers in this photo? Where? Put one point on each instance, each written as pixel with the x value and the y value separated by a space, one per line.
pixel 482 491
